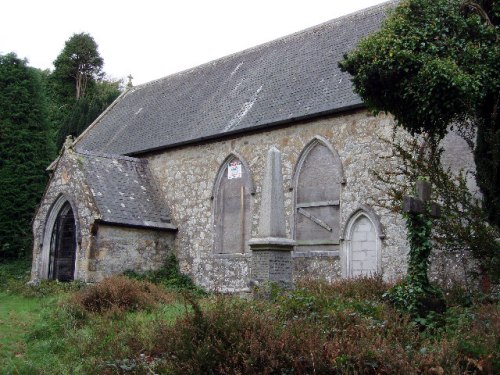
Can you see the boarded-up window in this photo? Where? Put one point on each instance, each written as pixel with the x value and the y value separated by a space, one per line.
pixel 317 198
pixel 232 210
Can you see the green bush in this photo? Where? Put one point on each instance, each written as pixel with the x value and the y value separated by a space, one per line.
pixel 169 275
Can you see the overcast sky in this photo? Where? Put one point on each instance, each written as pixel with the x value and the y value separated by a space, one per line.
pixel 153 38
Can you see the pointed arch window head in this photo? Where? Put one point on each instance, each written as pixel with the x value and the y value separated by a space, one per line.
pixel 362 245
pixel 232 192
pixel 63 246
pixel 317 180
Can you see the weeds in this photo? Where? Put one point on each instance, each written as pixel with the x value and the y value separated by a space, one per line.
pixel 340 328
pixel 169 276
pixel 118 294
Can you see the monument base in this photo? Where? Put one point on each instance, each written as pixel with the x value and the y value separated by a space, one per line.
pixel 272 261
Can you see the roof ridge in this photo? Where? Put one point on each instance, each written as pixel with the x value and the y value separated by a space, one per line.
pixel 299 72
pixel 354 14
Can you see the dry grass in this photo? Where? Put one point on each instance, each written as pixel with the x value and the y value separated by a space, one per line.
pixel 119 294
pixel 342 328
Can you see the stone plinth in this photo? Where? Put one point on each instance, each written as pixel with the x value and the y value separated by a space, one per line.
pixel 272 260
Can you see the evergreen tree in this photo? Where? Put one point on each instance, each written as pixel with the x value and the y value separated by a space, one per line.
pixel 78 66
pixel 78 88
pixel 434 64
pixel 26 148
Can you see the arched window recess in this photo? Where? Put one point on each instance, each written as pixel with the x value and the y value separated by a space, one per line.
pixel 233 204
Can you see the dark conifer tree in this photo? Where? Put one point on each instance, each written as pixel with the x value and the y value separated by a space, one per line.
pixel 26 148
pixel 79 90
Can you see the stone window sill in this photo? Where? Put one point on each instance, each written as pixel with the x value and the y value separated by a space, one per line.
pixel 316 254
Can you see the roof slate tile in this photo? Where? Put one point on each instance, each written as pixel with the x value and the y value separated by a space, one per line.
pixel 125 191
pixel 291 78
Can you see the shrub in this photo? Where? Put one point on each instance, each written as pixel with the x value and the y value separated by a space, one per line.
pixel 14 272
pixel 314 298
pixel 118 294
pixel 362 287
pixel 233 336
pixel 343 328
pixel 169 275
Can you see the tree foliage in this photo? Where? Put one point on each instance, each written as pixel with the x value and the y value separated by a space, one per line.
pixel 25 151
pixel 84 111
pixel 38 109
pixel 434 64
pixel 78 65
pixel 79 90
pixel 461 225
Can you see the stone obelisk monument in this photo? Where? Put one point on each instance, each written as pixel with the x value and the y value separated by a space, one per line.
pixel 271 249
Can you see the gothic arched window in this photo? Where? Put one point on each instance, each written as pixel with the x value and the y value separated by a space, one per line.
pixel 233 188
pixel 362 245
pixel 317 181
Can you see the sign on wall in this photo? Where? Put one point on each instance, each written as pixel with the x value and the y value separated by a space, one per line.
pixel 234 170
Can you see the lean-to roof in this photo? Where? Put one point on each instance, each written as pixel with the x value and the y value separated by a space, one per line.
pixel 125 191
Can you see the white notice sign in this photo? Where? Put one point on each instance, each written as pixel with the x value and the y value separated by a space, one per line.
pixel 234 170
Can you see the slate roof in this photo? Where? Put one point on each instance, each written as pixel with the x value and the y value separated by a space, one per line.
pixel 125 191
pixel 291 78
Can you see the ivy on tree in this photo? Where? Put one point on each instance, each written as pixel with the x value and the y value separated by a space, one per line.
pixel 26 148
pixel 435 64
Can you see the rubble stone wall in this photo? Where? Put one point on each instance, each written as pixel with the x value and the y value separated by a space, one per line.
pixel 186 175
pixel 67 182
pixel 118 249
pixel 101 250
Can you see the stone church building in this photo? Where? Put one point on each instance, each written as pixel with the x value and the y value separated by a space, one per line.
pixel 177 165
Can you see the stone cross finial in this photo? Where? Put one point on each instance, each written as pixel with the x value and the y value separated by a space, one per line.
pixel 129 83
pixel 417 205
pixel 68 142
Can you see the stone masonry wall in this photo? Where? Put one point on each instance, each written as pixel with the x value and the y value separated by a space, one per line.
pixel 102 250
pixel 67 180
pixel 186 175
pixel 118 249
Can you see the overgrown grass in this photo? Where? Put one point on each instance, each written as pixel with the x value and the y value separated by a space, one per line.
pixel 63 342
pixel 17 315
pixel 74 328
pixel 342 328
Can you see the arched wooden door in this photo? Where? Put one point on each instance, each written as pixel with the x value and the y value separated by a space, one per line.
pixel 63 246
